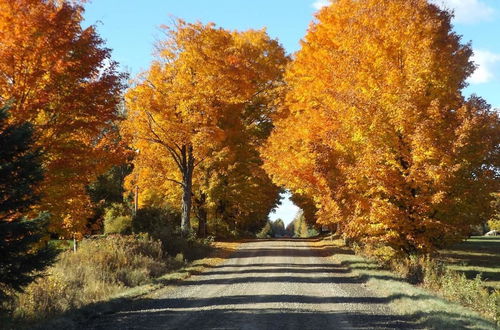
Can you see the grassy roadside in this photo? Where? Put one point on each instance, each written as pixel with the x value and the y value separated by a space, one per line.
pixel 74 318
pixel 420 306
pixel 479 255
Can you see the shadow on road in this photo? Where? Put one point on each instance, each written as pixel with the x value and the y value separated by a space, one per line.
pixel 234 318
pixel 182 303
pixel 277 310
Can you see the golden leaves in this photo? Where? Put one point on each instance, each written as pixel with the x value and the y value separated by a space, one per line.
pixel 375 131
pixel 212 90
pixel 61 79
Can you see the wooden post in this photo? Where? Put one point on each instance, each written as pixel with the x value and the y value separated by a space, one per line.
pixel 136 200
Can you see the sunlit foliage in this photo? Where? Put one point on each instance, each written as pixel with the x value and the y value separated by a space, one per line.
pixel 62 81
pixel 197 116
pixel 375 129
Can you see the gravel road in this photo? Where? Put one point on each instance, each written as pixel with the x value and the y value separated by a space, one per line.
pixel 269 284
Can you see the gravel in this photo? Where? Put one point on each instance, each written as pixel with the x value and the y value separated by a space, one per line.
pixel 266 284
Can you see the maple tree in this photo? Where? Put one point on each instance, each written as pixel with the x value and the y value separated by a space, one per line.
pixel 307 208
pixel 203 104
pixel 238 195
pixel 375 129
pixel 61 80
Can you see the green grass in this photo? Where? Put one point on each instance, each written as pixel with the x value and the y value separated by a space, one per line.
pixel 477 255
pixel 419 306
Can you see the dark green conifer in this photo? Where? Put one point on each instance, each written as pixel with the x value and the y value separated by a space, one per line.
pixel 22 253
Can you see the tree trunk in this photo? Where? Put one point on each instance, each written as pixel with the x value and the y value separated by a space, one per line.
pixel 201 215
pixel 202 222
pixel 186 207
pixel 187 188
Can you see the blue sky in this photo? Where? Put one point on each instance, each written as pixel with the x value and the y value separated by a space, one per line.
pixel 130 27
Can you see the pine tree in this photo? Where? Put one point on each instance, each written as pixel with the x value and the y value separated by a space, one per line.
pixel 22 253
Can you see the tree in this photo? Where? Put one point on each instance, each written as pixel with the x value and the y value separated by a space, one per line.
pixel 278 228
pixel 239 194
pixel 22 253
pixel 307 207
pixel 494 221
pixel 375 129
pixel 64 83
pixel 204 81
pixel 266 231
pixel 106 191
pixel 299 227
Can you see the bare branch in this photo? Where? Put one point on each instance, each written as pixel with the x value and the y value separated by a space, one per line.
pixel 175 181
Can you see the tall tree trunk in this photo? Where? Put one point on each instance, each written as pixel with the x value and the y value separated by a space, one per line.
pixel 201 214
pixel 202 222
pixel 186 207
pixel 187 187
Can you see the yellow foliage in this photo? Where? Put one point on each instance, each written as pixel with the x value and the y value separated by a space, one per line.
pixel 60 79
pixel 198 115
pixel 375 130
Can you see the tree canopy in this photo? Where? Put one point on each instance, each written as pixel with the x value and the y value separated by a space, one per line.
pixel 65 84
pixel 205 104
pixel 376 131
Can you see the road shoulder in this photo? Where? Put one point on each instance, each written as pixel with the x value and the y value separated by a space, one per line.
pixel 417 305
pixel 159 287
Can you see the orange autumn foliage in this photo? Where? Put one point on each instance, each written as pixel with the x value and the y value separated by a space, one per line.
pixel 59 77
pixel 198 109
pixel 376 131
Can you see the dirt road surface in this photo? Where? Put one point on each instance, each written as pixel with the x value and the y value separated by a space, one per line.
pixel 269 284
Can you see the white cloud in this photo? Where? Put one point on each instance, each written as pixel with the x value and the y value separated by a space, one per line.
pixel 467 11
pixel 487 64
pixel 318 4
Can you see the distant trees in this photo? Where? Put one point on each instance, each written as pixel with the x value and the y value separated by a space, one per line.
pixel 494 221
pixel 273 229
pixel 197 117
pixel 65 84
pixel 278 228
pixel 376 132
pixel 22 249
pixel 300 228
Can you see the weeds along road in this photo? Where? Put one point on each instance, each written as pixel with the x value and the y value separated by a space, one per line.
pixel 269 284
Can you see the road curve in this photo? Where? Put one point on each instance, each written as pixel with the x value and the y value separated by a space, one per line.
pixel 267 284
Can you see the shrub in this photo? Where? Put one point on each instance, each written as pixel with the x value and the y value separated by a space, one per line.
pixel 494 224
pixel 471 293
pixel 164 225
pixel 450 284
pixel 156 221
pixel 219 227
pixel 266 231
pixel 100 268
pixel 117 219
pixel 411 268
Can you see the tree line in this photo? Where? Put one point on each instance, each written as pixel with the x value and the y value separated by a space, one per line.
pixel 367 125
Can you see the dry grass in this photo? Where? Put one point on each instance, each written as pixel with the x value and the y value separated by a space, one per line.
pixel 114 297
pixel 99 269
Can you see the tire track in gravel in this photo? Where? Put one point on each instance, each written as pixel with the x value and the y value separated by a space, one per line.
pixel 266 284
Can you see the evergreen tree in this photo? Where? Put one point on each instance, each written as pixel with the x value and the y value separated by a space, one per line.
pixel 22 253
